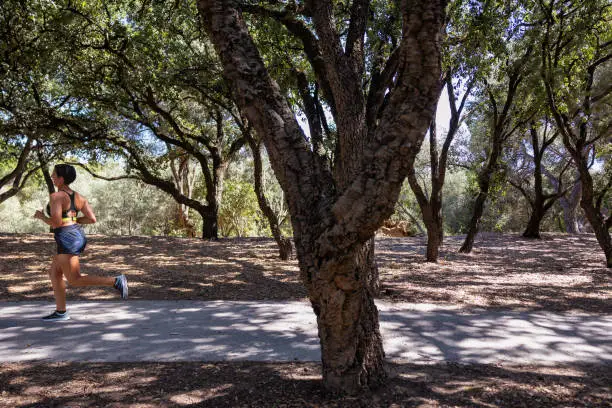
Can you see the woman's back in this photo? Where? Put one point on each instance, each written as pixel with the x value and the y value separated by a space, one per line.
pixel 72 203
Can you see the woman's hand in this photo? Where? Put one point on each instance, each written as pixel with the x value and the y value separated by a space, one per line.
pixel 39 215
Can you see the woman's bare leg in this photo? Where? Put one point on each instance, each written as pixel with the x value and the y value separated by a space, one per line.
pixel 70 267
pixel 59 286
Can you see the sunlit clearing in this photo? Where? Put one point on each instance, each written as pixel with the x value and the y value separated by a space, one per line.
pixel 197 396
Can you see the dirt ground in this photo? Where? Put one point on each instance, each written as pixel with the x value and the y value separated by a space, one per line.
pixel 296 385
pixel 557 273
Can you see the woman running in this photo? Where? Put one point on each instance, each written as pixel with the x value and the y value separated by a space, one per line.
pixel 65 204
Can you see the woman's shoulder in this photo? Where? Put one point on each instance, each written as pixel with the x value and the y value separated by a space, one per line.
pixel 57 195
pixel 79 197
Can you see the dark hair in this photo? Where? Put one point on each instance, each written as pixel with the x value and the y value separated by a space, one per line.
pixel 66 171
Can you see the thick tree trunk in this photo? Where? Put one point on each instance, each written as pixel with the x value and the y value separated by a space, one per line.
pixel 351 344
pixel 533 226
pixel 369 259
pixel 334 218
pixel 433 242
pixel 592 211
pixel 210 226
pixel 602 233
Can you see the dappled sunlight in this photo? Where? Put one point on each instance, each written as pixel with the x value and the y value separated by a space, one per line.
pixel 560 272
pixel 296 384
pixel 162 331
pixel 198 396
pixel 157 268
pixel 267 331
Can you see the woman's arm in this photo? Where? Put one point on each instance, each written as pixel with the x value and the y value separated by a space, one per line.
pixel 88 215
pixel 41 216
pixel 55 221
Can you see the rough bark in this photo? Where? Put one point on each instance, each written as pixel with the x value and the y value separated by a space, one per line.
pixel 315 125
pixel 335 215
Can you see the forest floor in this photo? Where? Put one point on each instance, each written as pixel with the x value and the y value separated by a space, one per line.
pixel 558 273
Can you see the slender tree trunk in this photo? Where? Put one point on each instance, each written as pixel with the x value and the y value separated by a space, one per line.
pixel 432 218
pixel 214 194
pixel 45 172
pixel 435 229
pixel 570 203
pixel 501 131
pixel 44 169
pixel 570 207
pixel 468 243
pixel 284 244
pixel 542 203
pixel 537 210
pixel 484 183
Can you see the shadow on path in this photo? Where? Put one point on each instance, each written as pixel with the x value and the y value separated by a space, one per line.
pixel 167 331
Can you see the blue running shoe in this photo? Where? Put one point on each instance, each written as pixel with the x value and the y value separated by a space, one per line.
pixel 56 317
pixel 122 286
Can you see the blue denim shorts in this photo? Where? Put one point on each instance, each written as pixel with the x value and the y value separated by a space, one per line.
pixel 70 239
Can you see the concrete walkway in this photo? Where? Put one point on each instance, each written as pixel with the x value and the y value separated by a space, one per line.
pixel 286 331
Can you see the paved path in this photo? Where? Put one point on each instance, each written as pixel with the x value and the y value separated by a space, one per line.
pixel 286 331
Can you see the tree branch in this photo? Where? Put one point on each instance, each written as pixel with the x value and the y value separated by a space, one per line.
pixel 309 41
pixel 21 165
pixel 356 32
pixel 95 175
